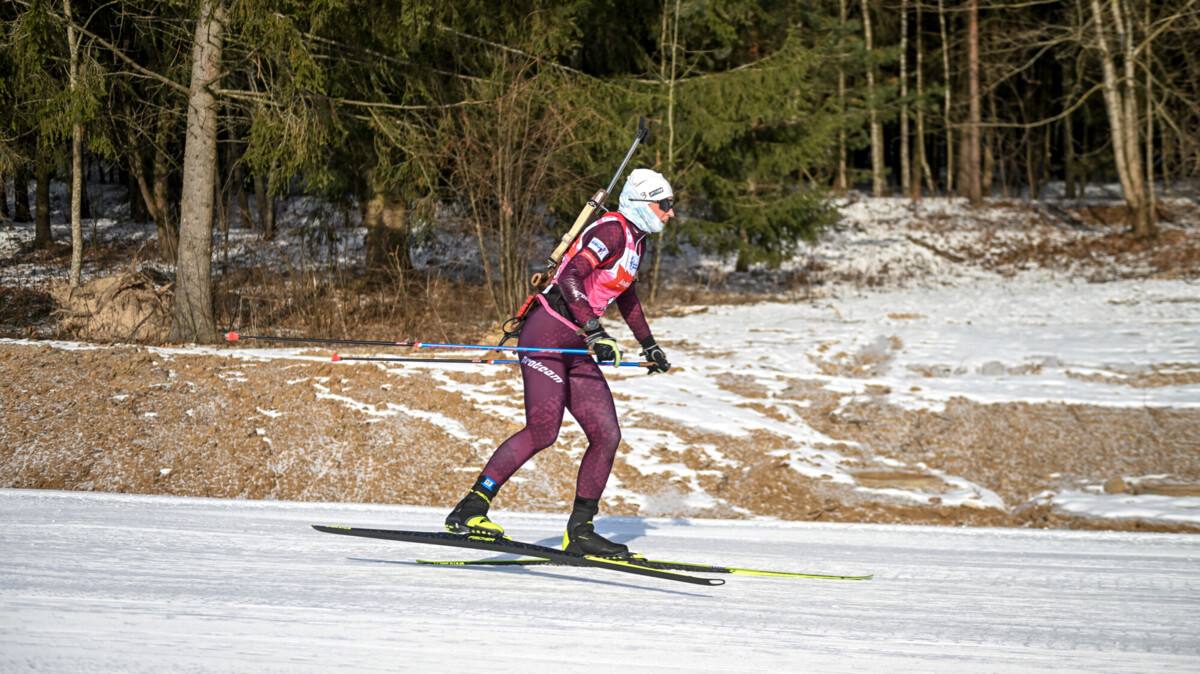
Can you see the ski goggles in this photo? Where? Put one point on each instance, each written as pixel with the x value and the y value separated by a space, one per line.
pixel 665 204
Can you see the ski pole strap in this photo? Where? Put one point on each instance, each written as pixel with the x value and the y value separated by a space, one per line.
pixel 512 327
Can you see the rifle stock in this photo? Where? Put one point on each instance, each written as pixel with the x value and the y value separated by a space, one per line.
pixel 540 279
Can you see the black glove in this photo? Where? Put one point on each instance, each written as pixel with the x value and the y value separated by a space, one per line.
pixel 652 352
pixel 601 343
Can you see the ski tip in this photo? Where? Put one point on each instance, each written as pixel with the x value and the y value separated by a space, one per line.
pixel 335 358
pixel 332 527
pixel 231 336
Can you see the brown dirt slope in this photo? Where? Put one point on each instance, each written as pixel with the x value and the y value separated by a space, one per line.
pixel 134 420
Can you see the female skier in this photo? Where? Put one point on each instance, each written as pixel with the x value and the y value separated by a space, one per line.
pixel 599 267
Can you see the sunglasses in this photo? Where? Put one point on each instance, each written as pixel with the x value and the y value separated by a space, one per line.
pixel 665 204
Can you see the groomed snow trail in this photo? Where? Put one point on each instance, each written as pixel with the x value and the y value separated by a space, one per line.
pixel 103 582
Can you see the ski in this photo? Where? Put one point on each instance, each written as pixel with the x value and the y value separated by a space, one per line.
pixel 510 546
pixel 656 564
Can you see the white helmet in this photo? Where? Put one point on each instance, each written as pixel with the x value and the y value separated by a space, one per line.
pixel 641 187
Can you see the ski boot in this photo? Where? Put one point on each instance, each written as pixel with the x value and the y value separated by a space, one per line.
pixel 470 515
pixel 581 538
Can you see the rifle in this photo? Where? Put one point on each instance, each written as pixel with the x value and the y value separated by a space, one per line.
pixel 539 281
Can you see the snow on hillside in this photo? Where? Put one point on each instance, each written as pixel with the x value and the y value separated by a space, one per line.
pixel 120 583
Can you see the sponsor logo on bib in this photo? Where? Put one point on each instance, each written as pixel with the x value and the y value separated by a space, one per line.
pixel 597 246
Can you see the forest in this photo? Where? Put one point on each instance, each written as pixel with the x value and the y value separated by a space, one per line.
pixel 502 117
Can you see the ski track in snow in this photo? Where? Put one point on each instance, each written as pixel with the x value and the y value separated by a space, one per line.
pixel 106 582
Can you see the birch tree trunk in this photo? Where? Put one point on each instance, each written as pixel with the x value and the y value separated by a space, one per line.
pixel 1120 102
pixel 946 98
pixel 76 157
pixel 878 171
pixel 672 76
pixel 193 286
pixel 1151 199
pixel 905 164
pixel 841 184
pixel 972 154
pixel 1133 150
pixel 921 160
pixel 988 142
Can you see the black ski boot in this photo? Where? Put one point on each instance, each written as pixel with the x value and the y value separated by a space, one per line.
pixel 470 515
pixel 581 537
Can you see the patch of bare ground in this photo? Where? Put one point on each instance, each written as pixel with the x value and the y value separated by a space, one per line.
pixel 128 307
pixel 1173 253
pixel 869 361
pixel 132 420
pixel 1163 374
pixel 698 290
pixel 25 312
pixel 742 385
pixel 1090 240
pixel 695 349
pixel 129 420
pixel 752 478
pixel 1018 449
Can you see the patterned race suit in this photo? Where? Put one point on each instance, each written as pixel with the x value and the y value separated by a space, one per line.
pixel 600 267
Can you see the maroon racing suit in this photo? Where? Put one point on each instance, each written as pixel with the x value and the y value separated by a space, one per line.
pixel 557 381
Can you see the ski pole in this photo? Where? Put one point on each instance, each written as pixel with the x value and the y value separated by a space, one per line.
pixel 478 361
pixel 234 337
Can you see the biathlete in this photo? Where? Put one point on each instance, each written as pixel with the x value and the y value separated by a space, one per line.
pixel 600 267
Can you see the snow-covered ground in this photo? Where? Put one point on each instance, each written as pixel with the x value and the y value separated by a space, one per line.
pixel 119 583
pixel 1028 339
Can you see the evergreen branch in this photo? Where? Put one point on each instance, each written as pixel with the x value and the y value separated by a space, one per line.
pixel 389 58
pixel 258 97
pixel 116 51
pixel 513 50
pixel 636 80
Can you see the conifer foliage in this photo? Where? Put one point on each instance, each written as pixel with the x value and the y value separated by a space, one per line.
pixel 506 116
